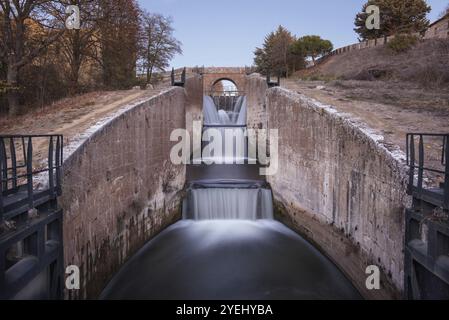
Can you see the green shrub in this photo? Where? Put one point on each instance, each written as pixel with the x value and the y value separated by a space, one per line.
pixel 402 43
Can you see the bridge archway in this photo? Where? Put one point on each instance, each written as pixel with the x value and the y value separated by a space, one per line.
pixel 212 76
pixel 225 85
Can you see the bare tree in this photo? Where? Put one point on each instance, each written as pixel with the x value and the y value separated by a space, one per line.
pixel 18 47
pixel 78 45
pixel 157 44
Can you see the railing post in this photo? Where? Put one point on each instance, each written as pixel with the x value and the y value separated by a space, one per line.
pixel 29 166
pixel 59 159
pixel 12 149
pixel 1 201
pixel 183 76
pixel 51 183
pixel 411 179
pixel 421 163
pixel 446 180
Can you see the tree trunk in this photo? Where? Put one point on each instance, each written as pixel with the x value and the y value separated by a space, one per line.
pixel 76 63
pixel 13 93
pixel 151 75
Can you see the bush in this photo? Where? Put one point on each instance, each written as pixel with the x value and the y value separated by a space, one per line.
pixel 402 43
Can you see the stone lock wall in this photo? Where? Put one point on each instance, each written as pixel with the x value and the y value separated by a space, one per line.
pixel 121 189
pixel 257 110
pixel 339 188
pixel 439 29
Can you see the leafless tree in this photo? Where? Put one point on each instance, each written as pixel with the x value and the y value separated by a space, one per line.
pixel 157 44
pixel 78 45
pixel 27 29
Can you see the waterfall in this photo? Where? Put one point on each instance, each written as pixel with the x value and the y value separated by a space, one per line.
pixel 222 122
pixel 229 204
pixel 220 201
pixel 215 117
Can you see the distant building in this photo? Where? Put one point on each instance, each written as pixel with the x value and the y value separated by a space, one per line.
pixel 439 29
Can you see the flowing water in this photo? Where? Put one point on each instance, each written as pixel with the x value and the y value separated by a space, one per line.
pixel 228 246
pixel 229 260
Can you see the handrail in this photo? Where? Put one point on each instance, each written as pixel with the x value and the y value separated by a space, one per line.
pixel 439 198
pixel 17 172
pixel 224 125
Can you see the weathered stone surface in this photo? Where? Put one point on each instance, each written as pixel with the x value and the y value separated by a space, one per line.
pixel 256 87
pixel 213 75
pixel 121 189
pixel 338 186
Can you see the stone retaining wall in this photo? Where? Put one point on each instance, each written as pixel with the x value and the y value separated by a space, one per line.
pixel 340 188
pixel 120 188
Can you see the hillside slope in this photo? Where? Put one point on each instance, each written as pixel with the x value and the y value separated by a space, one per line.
pixel 426 64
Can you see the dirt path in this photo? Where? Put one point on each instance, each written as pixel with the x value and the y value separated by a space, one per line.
pixel 70 117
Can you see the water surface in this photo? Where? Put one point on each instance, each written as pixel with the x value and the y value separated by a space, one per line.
pixel 229 260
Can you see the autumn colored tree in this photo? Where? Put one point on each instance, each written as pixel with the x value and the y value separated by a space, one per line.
pixel 19 45
pixel 118 42
pixel 157 43
pixel 396 16
pixel 78 46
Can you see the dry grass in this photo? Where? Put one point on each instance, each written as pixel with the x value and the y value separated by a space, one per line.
pixel 425 64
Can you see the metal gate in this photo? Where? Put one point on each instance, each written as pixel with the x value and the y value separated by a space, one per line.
pixel 31 251
pixel 427 224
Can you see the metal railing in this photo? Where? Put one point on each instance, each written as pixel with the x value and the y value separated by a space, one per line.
pixel 18 168
pixel 437 195
pixel 31 245
pixel 225 100
pixel 180 83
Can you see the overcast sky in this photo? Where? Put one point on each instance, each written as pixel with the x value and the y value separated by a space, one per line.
pixel 225 33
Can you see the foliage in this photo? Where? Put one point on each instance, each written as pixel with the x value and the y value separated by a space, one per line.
pixel 118 32
pixel 41 60
pixel 157 44
pixel 276 56
pixel 445 12
pixel 402 43
pixel 396 16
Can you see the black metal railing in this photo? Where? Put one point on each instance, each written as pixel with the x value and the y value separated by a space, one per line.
pixel 19 167
pixel 31 245
pixel 180 83
pixel 419 166
pixel 271 83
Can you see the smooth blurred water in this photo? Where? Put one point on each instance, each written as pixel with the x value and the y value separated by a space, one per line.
pixel 214 116
pixel 232 249
pixel 229 204
pixel 229 260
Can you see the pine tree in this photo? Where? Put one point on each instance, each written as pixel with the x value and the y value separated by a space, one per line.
pixel 276 56
pixel 312 46
pixel 396 16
